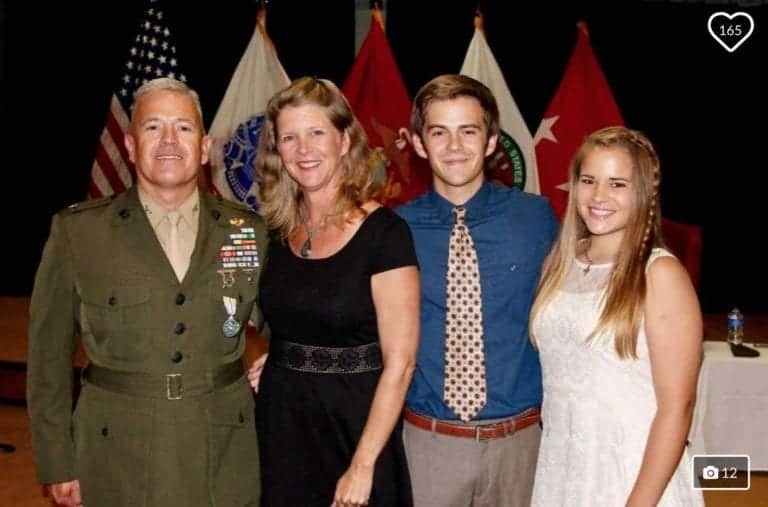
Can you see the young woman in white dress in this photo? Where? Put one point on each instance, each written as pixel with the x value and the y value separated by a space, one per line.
pixel 619 331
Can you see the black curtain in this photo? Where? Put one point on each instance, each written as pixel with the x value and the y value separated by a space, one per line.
pixel 703 107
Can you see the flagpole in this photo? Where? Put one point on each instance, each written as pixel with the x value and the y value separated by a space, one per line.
pixel 377 14
pixel 582 25
pixel 479 21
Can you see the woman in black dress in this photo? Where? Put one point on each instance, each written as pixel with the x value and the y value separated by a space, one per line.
pixel 340 293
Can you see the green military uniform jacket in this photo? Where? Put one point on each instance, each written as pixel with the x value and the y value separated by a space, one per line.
pixel 105 278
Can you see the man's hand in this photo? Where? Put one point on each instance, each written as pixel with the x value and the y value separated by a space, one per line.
pixel 66 494
pixel 254 372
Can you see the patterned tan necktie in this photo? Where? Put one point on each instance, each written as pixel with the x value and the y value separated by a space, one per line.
pixel 465 388
pixel 179 261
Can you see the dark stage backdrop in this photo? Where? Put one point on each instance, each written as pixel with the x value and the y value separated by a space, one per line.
pixel 703 107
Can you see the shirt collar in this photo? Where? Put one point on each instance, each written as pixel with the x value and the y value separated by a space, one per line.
pixel 476 206
pixel 156 213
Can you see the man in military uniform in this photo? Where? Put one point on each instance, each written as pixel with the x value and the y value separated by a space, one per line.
pixel 159 283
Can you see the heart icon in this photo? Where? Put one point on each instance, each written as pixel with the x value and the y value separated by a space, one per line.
pixel 730 30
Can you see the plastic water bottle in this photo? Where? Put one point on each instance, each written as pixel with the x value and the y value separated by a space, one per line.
pixel 735 327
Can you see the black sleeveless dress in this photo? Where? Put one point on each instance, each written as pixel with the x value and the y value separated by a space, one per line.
pixel 310 421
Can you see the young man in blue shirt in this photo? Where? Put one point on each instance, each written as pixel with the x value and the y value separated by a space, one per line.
pixel 472 418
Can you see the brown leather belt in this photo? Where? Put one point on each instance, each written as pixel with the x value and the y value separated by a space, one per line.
pixel 499 429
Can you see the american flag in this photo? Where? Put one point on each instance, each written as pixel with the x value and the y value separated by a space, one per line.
pixel 152 55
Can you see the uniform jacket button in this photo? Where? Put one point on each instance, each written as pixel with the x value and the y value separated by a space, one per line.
pixel 180 298
pixel 177 356
pixel 112 301
pixel 105 431
pixel 179 328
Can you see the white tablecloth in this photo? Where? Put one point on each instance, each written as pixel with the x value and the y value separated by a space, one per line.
pixel 731 415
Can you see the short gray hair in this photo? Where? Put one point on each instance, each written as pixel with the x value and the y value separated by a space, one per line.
pixel 166 84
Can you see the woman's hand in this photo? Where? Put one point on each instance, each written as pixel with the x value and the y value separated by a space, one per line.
pixel 354 487
pixel 254 372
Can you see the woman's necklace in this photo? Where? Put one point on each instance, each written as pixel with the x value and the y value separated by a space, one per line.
pixel 306 248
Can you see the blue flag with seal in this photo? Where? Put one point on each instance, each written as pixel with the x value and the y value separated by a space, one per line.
pixel 236 127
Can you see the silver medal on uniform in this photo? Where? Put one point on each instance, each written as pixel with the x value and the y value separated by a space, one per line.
pixel 231 326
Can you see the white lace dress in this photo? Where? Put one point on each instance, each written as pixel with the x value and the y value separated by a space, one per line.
pixel 597 408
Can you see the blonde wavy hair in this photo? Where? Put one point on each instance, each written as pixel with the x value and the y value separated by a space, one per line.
pixel 624 297
pixel 280 195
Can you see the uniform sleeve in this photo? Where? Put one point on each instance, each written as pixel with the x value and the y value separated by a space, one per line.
pixel 395 246
pixel 52 344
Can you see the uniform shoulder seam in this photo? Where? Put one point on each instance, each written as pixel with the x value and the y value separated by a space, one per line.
pixel 88 204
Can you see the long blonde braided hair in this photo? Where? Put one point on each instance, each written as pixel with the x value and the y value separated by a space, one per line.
pixel 625 294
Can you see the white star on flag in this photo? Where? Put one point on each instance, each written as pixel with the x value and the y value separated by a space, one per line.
pixel 583 103
pixel 545 130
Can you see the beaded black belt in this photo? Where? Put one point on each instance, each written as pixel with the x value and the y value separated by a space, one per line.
pixel 296 356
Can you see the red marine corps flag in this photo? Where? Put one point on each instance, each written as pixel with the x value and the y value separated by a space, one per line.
pixel 378 97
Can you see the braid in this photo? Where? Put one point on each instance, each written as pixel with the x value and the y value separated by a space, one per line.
pixel 646 234
pixel 642 144
pixel 625 293
pixel 654 205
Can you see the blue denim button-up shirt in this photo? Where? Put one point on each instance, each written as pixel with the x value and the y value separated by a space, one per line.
pixel 513 232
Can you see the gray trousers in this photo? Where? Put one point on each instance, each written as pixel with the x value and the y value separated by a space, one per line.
pixel 448 471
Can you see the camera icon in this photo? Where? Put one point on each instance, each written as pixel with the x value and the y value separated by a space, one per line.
pixel 720 471
pixel 710 473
